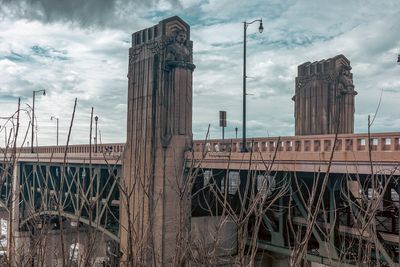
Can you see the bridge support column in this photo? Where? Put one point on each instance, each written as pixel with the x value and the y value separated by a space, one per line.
pixel 219 233
pixel 271 260
pixel 159 131
pixel 79 247
pixel 15 239
pixel 22 248
pixel 282 261
pixel 315 264
pixel 18 242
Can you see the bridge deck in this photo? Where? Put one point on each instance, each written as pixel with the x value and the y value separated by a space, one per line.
pixel 293 153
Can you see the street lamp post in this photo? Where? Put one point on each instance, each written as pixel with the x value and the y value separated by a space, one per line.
pixel 398 184
pixel 57 119
pixel 95 134
pixel 260 29
pixel 33 116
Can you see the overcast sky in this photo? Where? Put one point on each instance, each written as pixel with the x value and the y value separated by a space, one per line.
pixel 79 48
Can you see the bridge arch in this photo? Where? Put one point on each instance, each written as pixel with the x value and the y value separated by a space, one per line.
pixel 72 217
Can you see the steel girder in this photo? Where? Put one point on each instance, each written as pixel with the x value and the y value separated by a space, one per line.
pixel 83 193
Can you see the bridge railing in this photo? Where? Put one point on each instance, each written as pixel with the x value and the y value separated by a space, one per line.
pixel 76 149
pixel 312 143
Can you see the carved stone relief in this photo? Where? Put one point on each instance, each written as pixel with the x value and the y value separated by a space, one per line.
pixel 345 80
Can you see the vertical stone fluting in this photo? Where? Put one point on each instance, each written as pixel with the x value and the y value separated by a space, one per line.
pixel 159 131
pixel 324 95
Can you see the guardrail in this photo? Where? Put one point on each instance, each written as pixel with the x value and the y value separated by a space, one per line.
pixel 311 143
pixel 76 149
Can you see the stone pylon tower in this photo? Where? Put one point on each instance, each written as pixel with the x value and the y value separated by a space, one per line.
pixel 159 131
pixel 324 97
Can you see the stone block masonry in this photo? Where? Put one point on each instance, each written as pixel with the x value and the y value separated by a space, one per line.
pixel 159 131
pixel 324 97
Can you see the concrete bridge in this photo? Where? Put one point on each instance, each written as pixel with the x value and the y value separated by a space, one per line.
pixel 39 176
pixel 124 201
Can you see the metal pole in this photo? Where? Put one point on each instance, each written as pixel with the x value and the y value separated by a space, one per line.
pixel 398 214
pixel 95 135
pixel 244 149
pixel 33 121
pixel 398 193
pixel 57 121
pixel 223 133
pixel 57 131
pixel 236 130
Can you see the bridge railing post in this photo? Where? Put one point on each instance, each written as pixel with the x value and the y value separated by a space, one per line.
pixel 396 143
pixel 288 145
pixel 373 144
pixel 317 146
pixel 392 144
pixel 360 144
pixel 339 144
pixel 349 144
pixel 386 143
pixel 281 146
pixel 271 146
pixel 298 145
pixel 256 146
pixel 326 145
pixel 262 148
pixel 306 145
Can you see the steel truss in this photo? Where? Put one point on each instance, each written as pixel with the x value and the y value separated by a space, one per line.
pixel 83 193
pixel 342 225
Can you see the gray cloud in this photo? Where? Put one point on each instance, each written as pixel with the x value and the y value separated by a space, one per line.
pixel 84 13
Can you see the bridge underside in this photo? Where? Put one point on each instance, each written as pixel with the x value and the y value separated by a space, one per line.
pixel 86 194
pixel 76 205
pixel 331 219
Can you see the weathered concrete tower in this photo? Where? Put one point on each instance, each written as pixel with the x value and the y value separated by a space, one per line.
pixel 324 97
pixel 159 131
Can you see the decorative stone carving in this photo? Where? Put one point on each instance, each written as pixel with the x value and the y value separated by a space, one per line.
pixel 178 52
pixel 155 47
pixel 177 99
pixel 134 53
pixel 345 80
